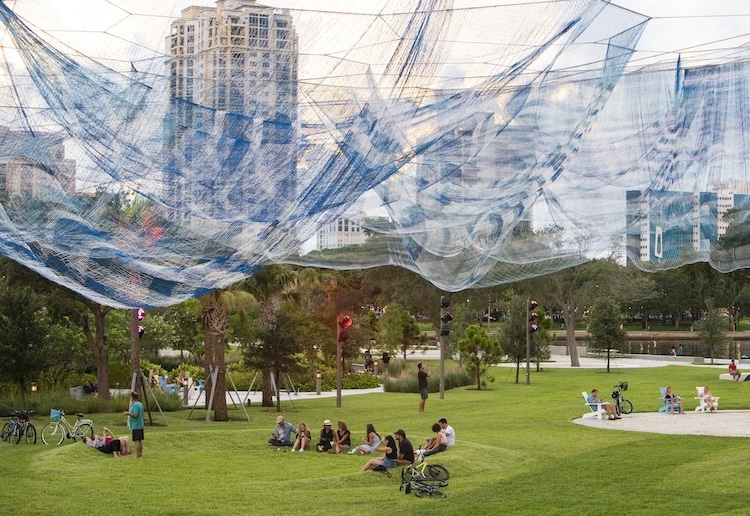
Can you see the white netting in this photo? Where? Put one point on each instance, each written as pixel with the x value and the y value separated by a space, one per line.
pixel 151 152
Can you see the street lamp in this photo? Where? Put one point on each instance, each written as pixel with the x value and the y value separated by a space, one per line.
pixel 33 386
pixel 317 383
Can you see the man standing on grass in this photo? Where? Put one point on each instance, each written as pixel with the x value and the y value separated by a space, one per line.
pixel 135 422
pixel 422 374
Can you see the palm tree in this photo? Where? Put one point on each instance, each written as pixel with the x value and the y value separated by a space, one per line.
pixel 213 320
pixel 271 287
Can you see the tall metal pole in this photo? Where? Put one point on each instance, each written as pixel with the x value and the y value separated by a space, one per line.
pixel 442 357
pixel 338 363
pixel 528 344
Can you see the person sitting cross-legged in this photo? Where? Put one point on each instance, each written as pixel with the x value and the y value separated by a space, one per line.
pixel 282 433
pixel 608 407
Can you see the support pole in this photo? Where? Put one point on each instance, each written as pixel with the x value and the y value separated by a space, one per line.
pixel 528 344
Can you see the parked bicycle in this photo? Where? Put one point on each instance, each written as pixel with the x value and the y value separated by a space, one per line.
pixel 19 427
pixel 622 404
pixel 59 428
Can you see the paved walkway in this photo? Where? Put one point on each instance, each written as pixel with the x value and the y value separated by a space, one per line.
pixel 724 423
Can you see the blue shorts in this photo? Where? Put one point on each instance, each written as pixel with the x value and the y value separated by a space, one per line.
pixel 423 393
pixel 389 463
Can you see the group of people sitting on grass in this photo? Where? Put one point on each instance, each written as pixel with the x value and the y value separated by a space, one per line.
pixel 339 440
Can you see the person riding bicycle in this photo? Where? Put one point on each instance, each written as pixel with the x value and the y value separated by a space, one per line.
pixel 609 408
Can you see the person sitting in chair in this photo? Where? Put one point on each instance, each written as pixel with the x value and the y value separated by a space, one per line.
pixel 709 399
pixel 673 400
pixel 609 408
pixel 734 371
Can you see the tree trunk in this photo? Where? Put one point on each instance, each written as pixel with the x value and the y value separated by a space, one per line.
pixel 214 319
pixel 266 388
pixel 570 332
pixel 97 342
pixel 135 354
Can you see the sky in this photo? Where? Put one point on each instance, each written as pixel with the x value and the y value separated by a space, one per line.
pixel 676 25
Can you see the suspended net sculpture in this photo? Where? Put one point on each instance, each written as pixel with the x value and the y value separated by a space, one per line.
pixel 154 151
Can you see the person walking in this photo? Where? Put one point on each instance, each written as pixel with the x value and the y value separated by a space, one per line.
pixel 422 374
pixel 135 423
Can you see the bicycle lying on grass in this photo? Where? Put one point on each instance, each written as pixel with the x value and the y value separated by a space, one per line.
pixel 18 427
pixel 424 480
pixel 59 428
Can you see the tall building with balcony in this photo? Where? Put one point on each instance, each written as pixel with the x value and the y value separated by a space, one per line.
pixel 238 58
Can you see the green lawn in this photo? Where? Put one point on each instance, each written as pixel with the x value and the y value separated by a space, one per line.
pixel 517 453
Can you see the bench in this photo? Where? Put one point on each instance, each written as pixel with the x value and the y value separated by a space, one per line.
pixel 359 368
pixel 744 377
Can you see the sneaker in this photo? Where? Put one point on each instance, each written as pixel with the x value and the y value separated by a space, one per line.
pixel 301 450
pixel 293 451
pixel 618 417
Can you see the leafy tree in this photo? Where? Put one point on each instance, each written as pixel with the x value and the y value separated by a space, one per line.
pixel 514 330
pixel 400 331
pixel 605 326
pixel 23 335
pixel 278 345
pixel 479 352
pixel 184 318
pixel 712 329
pixel 574 290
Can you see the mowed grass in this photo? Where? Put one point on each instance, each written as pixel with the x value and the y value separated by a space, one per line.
pixel 517 453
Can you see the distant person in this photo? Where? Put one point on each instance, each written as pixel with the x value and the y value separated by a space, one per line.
pixel 609 408
pixel 673 400
pixel 369 362
pixel 422 374
pixel 673 352
pixel 680 350
pixel 709 399
pixel 303 438
pixel 91 389
pixel 405 449
pixel 734 371
pixel 343 438
pixel 154 378
pixel 388 460
pixel 327 437
pixel 369 442
pixel 135 423
pixel 450 434
pixel 282 433
pixel 385 359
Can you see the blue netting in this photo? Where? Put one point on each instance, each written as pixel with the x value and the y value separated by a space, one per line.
pixel 483 145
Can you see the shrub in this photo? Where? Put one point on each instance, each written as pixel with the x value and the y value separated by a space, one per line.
pixel 406 381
